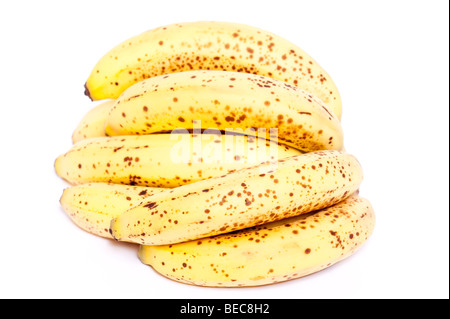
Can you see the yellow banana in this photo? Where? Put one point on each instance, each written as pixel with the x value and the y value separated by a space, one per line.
pixel 226 101
pixel 164 160
pixel 92 206
pixel 93 122
pixel 245 198
pixel 209 45
pixel 270 253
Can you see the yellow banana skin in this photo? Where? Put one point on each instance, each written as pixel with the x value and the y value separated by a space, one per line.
pixel 270 253
pixel 92 206
pixel 245 198
pixel 209 45
pixel 93 122
pixel 164 160
pixel 226 101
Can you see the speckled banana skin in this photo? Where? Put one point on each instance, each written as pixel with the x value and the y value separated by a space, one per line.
pixel 164 160
pixel 270 253
pixel 93 122
pixel 208 45
pixel 92 206
pixel 245 198
pixel 226 101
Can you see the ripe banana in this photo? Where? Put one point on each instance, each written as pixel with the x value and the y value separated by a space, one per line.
pixel 92 206
pixel 164 160
pixel 208 45
pixel 245 198
pixel 93 122
pixel 226 101
pixel 270 253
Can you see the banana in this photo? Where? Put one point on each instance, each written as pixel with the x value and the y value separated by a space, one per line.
pixel 230 101
pixel 164 160
pixel 270 253
pixel 245 198
pixel 209 45
pixel 92 206
pixel 93 122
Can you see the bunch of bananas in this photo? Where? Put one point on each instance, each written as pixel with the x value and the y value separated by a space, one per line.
pixel 218 149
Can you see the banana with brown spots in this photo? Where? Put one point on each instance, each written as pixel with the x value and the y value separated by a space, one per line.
pixel 209 45
pixel 164 160
pixel 93 122
pixel 92 206
pixel 227 101
pixel 251 196
pixel 270 253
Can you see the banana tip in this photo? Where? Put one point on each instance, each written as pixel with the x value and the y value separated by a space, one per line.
pixel 87 92
pixel 112 230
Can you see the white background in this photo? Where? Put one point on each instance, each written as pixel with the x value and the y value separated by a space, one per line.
pixel 389 60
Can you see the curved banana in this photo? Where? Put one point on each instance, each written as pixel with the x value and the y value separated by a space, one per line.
pixel 245 198
pixel 164 160
pixel 226 101
pixel 208 45
pixel 270 253
pixel 92 206
pixel 93 122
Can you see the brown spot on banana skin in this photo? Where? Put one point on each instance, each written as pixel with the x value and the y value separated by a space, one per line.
pixel 151 205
